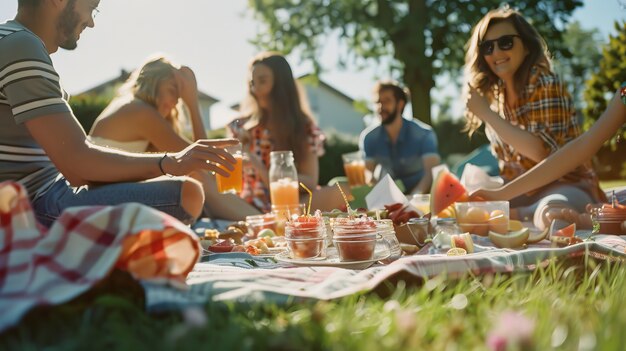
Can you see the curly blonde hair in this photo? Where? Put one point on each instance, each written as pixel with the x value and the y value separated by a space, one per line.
pixel 477 72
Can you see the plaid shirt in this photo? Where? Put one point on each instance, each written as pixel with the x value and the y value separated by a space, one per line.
pixel 258 141
pixel 545 109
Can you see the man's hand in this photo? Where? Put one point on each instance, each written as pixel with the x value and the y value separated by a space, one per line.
pixel 204 154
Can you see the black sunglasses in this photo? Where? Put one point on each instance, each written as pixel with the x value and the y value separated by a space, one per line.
pixel 505 43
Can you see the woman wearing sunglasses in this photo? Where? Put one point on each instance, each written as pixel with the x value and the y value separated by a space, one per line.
pixel 566 159
pixel 527 110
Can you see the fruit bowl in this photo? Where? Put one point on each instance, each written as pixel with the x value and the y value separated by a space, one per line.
pixel 480 218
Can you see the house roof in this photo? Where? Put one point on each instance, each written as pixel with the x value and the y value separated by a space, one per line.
pixel 105 87
pixel 332 89
pixel 321 83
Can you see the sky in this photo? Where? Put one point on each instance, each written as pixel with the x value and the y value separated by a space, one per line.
pixel 212 37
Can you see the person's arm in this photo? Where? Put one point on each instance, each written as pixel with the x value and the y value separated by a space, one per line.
pixel 565 159
pixel 189 94
pixel 151 126
pixel 82 163
pixel 526 143
pixel 364 147
pixel 429 161
pixel 308 170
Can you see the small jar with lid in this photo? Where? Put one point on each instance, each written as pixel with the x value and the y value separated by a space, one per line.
pixel 609 220
pixel 388 236
pixel 443 230
pixel 420 230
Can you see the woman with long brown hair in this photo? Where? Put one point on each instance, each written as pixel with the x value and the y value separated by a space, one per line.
pixel 275 117
pixel 527 110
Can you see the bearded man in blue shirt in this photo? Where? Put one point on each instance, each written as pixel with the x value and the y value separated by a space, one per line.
pixel 405 149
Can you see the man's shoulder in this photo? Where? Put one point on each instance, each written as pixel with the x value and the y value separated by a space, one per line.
pixel 417 126
pixel 372 132
pixel 17 43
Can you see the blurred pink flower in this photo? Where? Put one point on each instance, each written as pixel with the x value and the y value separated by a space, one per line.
pixel 511 328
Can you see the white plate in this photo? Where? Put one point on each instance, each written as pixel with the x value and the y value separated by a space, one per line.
pixel 332 259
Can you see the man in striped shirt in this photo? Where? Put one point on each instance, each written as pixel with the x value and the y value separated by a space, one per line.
pixel 43 146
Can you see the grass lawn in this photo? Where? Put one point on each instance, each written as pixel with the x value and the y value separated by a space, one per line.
pixel 612 183
pixel 575 306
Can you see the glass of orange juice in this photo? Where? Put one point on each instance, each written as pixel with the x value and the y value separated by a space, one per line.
pixel 354 166
pixel 285 191
pixel 233 183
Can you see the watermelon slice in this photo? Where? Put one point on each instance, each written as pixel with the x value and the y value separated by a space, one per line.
pixel 446 190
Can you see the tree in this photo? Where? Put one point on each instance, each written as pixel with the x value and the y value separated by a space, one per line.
pixel 601 87
pixel 585 46
pixel 610 73
pixel 422 38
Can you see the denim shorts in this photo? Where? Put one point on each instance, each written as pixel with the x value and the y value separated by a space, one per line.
pixel 163 194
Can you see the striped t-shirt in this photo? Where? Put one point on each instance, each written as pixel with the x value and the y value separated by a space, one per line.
pixel 29 88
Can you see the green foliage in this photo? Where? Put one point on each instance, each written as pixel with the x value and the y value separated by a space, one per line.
pixel 216 133
pixel 577 69
pixel 331 164
pixel 418 39
pixel 574 306
pixel 453 140
pixel 610 73
pixel 601 87
pixel 87 108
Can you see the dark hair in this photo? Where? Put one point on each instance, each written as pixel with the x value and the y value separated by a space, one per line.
pixel 28 3
pixel 290 118
pixel 478 73
pixel 400 93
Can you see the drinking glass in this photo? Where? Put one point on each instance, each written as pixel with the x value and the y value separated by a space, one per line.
pixel 234 183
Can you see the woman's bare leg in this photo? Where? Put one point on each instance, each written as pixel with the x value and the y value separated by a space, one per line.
pixel 224 206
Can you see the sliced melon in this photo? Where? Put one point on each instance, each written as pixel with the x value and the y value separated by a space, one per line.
pixel 510 240
pixel 557 229
pixel 536 236
pixel 445 191
pixel 515 225
pixel 463 241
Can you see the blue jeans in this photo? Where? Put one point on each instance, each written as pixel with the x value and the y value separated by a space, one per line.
pixel 163 194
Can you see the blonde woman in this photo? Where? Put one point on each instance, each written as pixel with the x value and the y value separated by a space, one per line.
pixel 145 117
pixel 528 112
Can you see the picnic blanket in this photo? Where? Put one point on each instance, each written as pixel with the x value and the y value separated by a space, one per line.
pixel 40 266
pixel 244 278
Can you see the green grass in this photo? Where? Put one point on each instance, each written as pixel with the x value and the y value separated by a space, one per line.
pixel 578 306
pixel 612 183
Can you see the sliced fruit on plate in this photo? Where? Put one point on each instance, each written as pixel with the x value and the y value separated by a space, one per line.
pixel 510 240
pixel 515 225
pixel 456 251
pixel 536 236
pixel 567 231
pixel 463 241
pixel 267 232
pixel 223 246
pixel 446 190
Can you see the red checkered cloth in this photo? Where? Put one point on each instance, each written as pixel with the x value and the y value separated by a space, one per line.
pixel 40 266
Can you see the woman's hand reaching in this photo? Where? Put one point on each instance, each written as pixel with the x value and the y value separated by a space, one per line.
pixel 488 195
